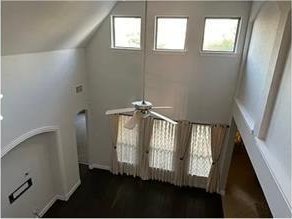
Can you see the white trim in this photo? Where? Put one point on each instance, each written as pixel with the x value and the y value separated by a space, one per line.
pixel 272 189
pixel 48 206
pixel 113 40
pixel 26 136
pixel 167 51
pixel 72 190
pixel 222 54
pixel 244 54
pixel 246 116
pixel 126 48
pixel 59 197
pixel 235 51
pixel 84 163
pixel 99 166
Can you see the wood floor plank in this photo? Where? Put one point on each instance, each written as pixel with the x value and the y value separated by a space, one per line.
pixel 102 194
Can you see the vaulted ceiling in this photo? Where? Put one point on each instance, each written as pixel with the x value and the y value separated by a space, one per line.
pixel 37 26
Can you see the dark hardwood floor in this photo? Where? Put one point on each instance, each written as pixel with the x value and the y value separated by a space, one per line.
pixel 102 194
pixel 244 197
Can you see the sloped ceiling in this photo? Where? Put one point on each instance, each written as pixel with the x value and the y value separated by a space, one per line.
pixel 36 26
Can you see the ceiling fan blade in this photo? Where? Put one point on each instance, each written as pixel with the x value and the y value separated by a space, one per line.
pixel 131 124
pixel 162 107
pixel 117 111
pixel 163 117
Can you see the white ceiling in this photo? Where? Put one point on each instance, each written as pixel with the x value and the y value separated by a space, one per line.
pixel 36 26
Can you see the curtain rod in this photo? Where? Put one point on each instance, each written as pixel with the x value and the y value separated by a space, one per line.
pixel 194 123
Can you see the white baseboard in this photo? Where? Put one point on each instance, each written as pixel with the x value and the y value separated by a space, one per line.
pixel 59 197
pixel 98 166
pixel 47 207
pixel 72 190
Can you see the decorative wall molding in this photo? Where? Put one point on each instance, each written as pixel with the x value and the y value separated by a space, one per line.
pixel 14 143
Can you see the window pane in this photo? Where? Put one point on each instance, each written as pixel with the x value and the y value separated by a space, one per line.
pixel 127 31
pixel 220 34
pixel 162 145
pixel 200 154
pixel 171 33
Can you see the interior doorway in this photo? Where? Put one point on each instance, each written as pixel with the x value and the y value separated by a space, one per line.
pixel 82 136
pixel 243 195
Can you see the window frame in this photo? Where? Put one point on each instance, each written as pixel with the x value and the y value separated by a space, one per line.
pixel 113 35
pixel 156 33
pixel 235 45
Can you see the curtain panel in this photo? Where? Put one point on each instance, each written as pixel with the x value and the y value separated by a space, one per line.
pixel 125 147
pixel 217 141
pixel 145 133
pixel 162 146
pixel 183 141
pixel 114 125
pixel 199 158
pixel 185 154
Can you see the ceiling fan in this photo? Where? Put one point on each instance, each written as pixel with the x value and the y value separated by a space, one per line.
pixel 142 108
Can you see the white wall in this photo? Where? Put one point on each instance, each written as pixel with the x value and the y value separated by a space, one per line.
pixel 278 141
pixel 271 155
pixel 199 86
pixel 256 69
pixel 34 156
pixel 39 90
pixel 113 82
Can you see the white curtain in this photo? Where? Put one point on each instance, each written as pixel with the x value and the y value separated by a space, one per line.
pixel 180 154
pixel 162 151
pixel 127 148
pixel 200 157
pixel 145 133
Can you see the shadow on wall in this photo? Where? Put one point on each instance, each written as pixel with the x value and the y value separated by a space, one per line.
pixel 18 165
pixel 81 136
